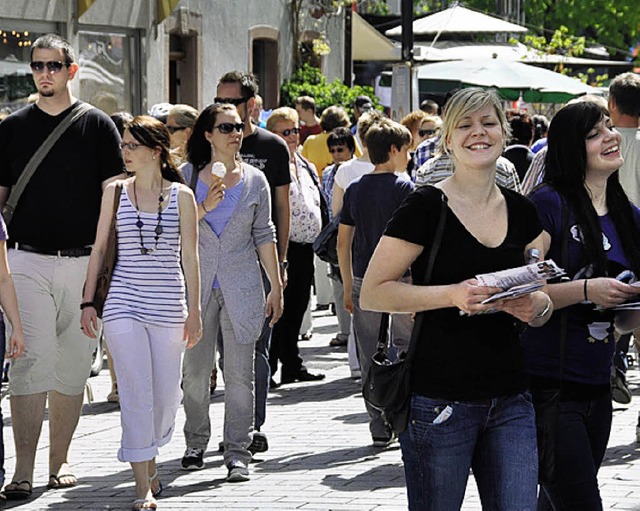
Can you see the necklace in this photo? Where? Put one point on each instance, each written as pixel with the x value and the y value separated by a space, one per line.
pixel 139 224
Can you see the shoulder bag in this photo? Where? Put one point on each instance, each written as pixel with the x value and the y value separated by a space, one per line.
pixel 387 384
pixel 103 281
pixel 76 112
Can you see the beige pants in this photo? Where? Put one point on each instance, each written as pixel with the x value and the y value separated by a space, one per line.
pixel 57 355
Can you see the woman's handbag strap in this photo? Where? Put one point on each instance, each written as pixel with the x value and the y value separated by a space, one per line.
pixel 435 247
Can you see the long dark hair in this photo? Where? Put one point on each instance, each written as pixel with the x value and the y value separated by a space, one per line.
pixel 152 133
pixel 198 147
pixel 566 164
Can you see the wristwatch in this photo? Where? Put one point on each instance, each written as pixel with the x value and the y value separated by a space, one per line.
pixel 284 265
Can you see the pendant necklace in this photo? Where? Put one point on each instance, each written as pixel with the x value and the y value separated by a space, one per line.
pixel 139 224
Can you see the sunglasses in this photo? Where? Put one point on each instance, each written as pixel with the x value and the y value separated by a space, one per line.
pixel 286 133
pixel 424 133
pixel 173 129
pixel 131 146
pixel 228 127
pixel 233 101
pixel 333 150
pixel 53 66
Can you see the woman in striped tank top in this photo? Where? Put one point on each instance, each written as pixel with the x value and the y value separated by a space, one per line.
pixel 149 317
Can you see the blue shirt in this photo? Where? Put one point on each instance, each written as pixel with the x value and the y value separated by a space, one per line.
pixel 369 203
pixel 219 217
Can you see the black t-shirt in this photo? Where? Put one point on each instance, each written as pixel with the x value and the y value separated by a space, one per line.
pixel 462 357
pixel 270 154
pixel 60 206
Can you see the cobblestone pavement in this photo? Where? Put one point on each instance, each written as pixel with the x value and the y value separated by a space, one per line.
pixel 320 457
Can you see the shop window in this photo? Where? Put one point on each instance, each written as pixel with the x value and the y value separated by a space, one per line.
pixel 16 84
pixel 108 77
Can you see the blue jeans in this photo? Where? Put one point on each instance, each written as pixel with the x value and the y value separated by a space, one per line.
pixel 583 434
pixel 495 437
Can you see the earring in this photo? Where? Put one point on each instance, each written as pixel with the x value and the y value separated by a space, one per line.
pixel 153 157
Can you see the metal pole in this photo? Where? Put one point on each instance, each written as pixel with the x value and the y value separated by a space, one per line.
pixel 407 30
pixel 348 59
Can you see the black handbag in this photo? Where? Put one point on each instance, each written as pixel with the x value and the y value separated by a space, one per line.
pixel 325 245
pixel 387 384
pixel 546 402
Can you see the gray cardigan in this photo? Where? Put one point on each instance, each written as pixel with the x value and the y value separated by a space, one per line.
pixel 233 257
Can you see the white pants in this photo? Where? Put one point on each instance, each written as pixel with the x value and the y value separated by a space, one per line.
pixel 147 360
pixel 324 293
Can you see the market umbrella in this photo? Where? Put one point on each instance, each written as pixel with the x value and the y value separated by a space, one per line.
pixel 510 78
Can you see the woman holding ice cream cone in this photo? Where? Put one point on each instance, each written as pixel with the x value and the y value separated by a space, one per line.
pixel 236 234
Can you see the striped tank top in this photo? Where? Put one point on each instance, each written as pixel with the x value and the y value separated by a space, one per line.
pixel 147 287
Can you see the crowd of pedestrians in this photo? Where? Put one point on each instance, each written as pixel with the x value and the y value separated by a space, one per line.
pixel 213 216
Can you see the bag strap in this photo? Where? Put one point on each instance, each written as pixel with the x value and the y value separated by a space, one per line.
pixel 435 247
pixel 78 110
pixel 116 205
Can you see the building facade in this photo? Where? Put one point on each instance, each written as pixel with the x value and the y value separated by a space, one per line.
pixel 136 53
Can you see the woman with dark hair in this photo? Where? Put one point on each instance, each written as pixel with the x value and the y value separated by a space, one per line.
pixel 149 317
pixel 585 214
pixel 236 236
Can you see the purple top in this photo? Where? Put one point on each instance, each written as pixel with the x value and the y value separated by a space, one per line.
pixel 590 343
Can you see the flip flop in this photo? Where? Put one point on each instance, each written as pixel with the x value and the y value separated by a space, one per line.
pixel 144 504
pixel 153 478
pixel 55 482
pixel 13 490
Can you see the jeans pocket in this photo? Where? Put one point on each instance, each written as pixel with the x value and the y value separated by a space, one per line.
pixel 428 414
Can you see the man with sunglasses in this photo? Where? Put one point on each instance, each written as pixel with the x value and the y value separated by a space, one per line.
pixel 269 153
pixel 52 231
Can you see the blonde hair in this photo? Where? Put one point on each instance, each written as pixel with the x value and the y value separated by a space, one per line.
pixel 281 114
pixel 465 102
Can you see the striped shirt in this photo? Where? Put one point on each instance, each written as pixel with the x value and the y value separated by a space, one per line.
pixel 149 287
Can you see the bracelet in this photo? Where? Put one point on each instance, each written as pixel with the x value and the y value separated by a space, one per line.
pixel 545 311
pixel 84 305
pixel 584 289
pixel 205 209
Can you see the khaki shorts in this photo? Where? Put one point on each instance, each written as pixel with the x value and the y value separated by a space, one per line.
pixel 57 355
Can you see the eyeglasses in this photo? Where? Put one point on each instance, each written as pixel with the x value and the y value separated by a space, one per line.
pixel 424 133
pixel 53 66
pixel 333 150
pixel 131 146
pixel 228 127
pixel 233 101
pixel 286 133
pixel 173 129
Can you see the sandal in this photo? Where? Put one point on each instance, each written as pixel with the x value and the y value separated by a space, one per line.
pixel 144 504
pixel 18 490
pixel 56 481
pixel 154 479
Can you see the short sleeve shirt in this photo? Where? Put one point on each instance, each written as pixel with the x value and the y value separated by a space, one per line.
pixel 369 203
pixel 60 206
pixel 465 357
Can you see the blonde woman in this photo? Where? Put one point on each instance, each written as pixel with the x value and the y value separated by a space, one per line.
pixel 469 408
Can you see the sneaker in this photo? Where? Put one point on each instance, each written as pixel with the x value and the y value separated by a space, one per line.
pixel 238 472
pixel 259 443
pixel 193 459
pixel 384 441
pixel 619 389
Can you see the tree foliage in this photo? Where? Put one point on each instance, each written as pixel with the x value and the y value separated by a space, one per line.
pixel 309 81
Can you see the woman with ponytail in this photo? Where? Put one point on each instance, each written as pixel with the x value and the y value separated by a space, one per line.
pixel 593 231
pixel 149 317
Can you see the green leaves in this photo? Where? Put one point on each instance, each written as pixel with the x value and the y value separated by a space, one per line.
pixel 309 81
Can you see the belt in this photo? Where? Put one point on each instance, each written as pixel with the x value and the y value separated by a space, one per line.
pixel 68 252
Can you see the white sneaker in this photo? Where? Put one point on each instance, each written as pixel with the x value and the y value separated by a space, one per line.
pixel 238 472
